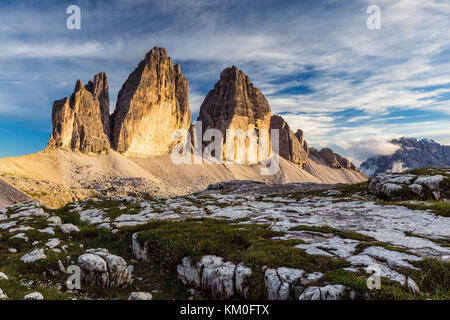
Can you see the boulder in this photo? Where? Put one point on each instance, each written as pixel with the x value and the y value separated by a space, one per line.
pixel 69 228
pixel 3 295
pixel 152 104
pixel 140 296
pixel 100 268
pixel 34 296
pixel 35 255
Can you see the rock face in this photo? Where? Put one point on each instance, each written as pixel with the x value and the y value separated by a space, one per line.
pixel 412 154
pixel 428 184
pixel 152 104
pixel 100 268
pixel 290 147
pixel 301 138
pixel 331 159
pixel 235 103
pixel 80 123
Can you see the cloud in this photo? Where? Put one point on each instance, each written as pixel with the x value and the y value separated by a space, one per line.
pixel 363 148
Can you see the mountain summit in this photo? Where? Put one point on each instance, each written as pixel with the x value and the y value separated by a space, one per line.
pixel 412 153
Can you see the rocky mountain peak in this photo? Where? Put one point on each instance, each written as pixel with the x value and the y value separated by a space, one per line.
pixel 152 104
pixel 290 147
pixel 77 122
pixel 412 153
pixel 235 103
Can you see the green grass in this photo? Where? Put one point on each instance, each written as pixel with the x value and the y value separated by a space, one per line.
pixel 326 229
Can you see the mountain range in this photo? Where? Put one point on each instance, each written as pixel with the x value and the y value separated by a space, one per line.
pixel 411 153
pixel 91 152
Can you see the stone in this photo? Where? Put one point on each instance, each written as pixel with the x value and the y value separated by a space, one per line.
pixel 152 104
pixel 234 103
pixel 69 228
pixel 100 268
pixel 139 251
pixel 278 282
pixel 412 286
pixel 243 275
pixel 3 295
pixel 3 276
pixel 290 147
pixel 328 292
pixel 55 220
pixel 12 250
pixel 52 243
pixel 140 296
pixel 78 122
pixel 48 230
pixel 35 255
pixel 34 296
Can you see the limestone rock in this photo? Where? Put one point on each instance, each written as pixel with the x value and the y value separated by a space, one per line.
pixel 100 268
pixel 3 276
pixel 34 296
pixel 328 292
pixel 235 103
pixel 290 147
pixel 278 283
pixel 152 104
pixel 79 122
pixel 35 255
pixel 140 296
pixel 3 295
pixel 69 228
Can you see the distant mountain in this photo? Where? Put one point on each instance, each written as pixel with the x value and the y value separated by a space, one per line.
pixel 413 153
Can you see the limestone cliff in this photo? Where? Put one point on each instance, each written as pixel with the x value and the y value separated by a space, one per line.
pixel 235 103
pixel 78 123
pixel 290 147
pixel 152 104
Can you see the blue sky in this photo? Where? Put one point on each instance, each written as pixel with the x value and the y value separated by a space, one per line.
pixel 348 87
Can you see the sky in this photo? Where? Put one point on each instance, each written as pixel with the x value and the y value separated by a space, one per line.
pixel 349 87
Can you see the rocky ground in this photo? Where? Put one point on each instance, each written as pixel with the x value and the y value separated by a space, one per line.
pixel 244 240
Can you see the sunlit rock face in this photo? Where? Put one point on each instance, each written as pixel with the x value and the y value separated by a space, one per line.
pixel 234 104
pixel 152 104
pixel 290 146
pixel 79 123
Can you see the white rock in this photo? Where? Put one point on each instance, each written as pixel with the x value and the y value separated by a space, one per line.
pixel 389 188
pixel 140 296
pixel 328 292
pixel 20 236
pixel 412 286
pixel 311 293
pixel 188 272
pixel 12 250
pixel 35 255
pixel 7 225
pixel 69 228
pixel 3 276
pixel 53 243
pixel 55 220
pixel 431 182
pixel 243 273
pixel 100 268
pixel 48 230
pixel 34 296
pixel 3 295
pixel 139 251
pixel 416 188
